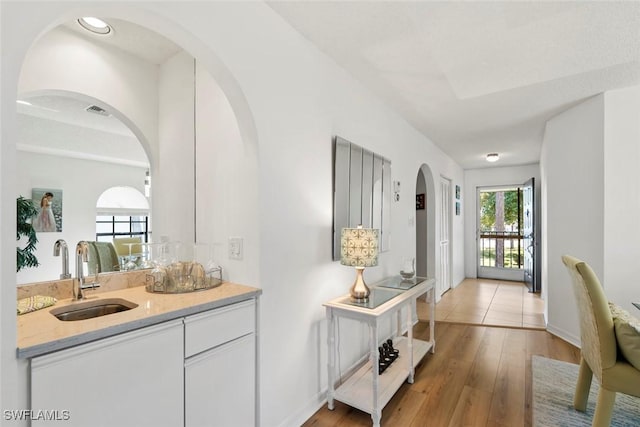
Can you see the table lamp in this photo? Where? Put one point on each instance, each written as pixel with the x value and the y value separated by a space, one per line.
pixel 359 249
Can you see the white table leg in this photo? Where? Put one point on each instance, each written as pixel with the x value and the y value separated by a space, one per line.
pixel 410 342
pixel 376 411
pixel 331 346
pixel 432 319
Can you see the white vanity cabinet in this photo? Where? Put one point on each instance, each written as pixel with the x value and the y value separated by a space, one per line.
pixel 192 370
pixel 131 379
pixel 220 367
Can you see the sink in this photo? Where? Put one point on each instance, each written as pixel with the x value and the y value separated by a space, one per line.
pixel 92 309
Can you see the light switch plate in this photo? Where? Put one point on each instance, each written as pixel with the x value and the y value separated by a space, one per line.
pixel 235 248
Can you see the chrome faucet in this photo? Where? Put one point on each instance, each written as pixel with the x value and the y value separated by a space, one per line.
pixel 82 255
pixel 62 245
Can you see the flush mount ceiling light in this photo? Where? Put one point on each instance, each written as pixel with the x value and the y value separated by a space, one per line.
pixel 95 25
pixel 493 157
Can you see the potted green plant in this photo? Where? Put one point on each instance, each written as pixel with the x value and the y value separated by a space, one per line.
pixel 25 211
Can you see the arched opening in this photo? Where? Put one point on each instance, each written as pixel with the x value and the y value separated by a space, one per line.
pixel 122 201
pixel 22 35
pixel 162 112
pixel 425 223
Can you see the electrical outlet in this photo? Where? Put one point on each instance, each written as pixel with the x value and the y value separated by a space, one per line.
pixel 235 247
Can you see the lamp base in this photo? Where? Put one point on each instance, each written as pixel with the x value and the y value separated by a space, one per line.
pixel 359 291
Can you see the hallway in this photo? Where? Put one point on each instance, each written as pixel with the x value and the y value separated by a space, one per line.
pixel 490 303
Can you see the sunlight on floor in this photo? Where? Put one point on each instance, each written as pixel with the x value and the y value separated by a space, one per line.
pixel 488 302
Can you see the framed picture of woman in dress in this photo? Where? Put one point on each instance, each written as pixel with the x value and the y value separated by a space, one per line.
pixel 49 205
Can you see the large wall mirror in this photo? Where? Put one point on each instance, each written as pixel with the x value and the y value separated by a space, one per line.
pixel 78 155
pixel 87 115
pixel 147 86
pixel 362 192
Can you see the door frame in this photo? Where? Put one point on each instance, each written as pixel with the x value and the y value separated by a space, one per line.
pixel 509 274
pixel 446 211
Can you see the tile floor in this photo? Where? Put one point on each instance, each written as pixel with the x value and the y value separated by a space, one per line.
pixel 488 302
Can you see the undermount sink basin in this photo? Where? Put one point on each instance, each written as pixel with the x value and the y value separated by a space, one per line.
pixel 91 309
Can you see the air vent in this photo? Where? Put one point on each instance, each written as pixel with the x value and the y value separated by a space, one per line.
pixel 97 110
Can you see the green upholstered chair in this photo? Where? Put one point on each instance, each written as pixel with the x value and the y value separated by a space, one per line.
pixel 599 353
pixel 93 263
pixel 107 256
pixel 122 249
pixel 102 258
pixel 122 245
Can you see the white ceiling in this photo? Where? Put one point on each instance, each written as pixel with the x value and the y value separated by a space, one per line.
pixel 478 77
pixel 57 124
pixel 72 111
pixel 474 77
pixel 131 38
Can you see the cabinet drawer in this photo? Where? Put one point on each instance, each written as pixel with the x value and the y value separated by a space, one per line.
pixel 215 327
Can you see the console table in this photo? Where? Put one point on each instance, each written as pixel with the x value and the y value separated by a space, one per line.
pixel 366 389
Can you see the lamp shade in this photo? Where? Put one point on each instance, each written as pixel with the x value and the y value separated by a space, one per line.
pixel 359 247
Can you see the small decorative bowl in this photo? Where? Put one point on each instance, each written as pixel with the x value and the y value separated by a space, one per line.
pixel 407 274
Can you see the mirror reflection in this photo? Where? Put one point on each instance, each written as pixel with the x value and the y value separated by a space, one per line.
pixel 89 111
pixel 98 165
pixel 132 113
pixel 362 192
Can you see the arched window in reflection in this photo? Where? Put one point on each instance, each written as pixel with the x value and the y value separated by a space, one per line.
pixel 122 212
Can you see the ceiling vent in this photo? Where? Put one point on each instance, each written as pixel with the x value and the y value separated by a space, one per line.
pixel 97 110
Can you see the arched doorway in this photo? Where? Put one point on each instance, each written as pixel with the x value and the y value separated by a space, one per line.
pixel 425 223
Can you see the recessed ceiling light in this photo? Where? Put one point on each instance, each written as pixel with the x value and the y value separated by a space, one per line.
pixel 493 157
pixel 94 25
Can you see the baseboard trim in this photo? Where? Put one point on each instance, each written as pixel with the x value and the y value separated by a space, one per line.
pixel 318 401
pixel 563 334
pixel 301 416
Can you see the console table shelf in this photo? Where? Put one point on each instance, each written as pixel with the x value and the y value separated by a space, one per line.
pixel 365 389
pixel 357 391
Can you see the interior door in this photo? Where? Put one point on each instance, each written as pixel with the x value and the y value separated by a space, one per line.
pixel 528 231
pixel 445 226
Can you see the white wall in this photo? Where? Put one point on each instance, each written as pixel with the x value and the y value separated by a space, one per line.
pixel 572 173
pixel 291 100
pixel 299 100
pixel 622 196
pixel 226 189
pixel 489 177
pixel 173 178
pixel 227 182
pixel 589 167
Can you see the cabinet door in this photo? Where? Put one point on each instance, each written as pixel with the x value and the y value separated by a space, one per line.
pixel 130 380
pixel 220 385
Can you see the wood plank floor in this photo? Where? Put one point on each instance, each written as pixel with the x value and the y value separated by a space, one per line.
pixel 478 376
pixel 488 302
